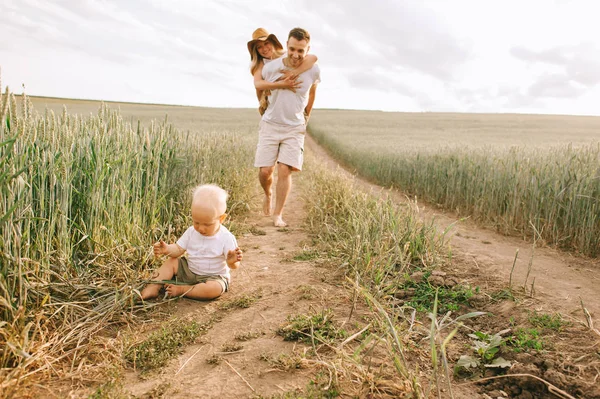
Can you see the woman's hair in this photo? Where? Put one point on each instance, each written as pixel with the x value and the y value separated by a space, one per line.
pixel 256 58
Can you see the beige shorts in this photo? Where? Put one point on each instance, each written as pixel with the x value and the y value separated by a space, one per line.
pixel 185 275
pixel 283 144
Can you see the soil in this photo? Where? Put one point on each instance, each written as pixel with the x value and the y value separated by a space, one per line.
pixel 570 360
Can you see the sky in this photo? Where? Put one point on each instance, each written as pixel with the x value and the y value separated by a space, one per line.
pixel 498 56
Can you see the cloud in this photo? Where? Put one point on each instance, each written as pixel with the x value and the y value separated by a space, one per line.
pixel 553 56
pixel 580 63
pixel 388 33
pixel 556 86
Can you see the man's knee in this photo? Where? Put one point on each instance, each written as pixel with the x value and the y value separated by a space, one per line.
pixel 284 170
pixel 265 172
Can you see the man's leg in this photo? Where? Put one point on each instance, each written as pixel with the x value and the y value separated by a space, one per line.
pixel 265 176
pixel 284 186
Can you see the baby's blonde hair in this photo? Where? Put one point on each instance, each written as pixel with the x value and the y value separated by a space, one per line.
pixel 210 196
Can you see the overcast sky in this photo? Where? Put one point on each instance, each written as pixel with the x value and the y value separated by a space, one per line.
pixel 523 56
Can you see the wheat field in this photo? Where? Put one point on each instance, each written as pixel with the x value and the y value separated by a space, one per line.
pixel 537 176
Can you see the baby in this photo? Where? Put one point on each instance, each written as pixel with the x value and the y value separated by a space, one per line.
pixel 211 251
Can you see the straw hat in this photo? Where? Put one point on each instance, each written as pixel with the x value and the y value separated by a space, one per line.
pixel 261 34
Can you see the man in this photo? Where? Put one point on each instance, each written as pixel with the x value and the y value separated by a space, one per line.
pixel 283 125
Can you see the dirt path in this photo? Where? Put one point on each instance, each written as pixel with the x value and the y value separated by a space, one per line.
pixel 560 279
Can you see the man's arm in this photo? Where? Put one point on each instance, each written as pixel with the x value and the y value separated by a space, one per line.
pixel 311 100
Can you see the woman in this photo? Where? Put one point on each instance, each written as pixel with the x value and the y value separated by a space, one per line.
pixel 263 48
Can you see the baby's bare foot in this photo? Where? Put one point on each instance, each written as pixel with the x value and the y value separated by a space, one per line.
pixel 176 290
pixel 149 292
pixel 267 205
pixel 278 221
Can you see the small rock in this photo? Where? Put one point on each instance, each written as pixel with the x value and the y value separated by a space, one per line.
pixel 525 395
pixel 451 281
pixel 514 390
pixel 478 300
pixel 405 293
pixel 436 281
pixel 524 358
pixel 548 364
pixel 417 277
pixel 556 378
pixel 495 394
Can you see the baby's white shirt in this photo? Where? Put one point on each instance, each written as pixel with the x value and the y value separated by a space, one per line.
pixel 207 256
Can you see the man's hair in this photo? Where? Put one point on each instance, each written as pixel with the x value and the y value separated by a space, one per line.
pixel 210 196
pixel 299 34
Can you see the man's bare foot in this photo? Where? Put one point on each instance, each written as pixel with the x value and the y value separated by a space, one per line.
pixel 278 221
pixel 267 205
pixel 176 290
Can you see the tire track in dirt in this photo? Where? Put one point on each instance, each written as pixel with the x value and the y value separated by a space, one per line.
pixel 561 279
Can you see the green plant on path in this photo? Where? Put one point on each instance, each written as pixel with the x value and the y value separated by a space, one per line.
pixel 315 327
pixel 525 339
pixel 160 346
pixel 485 348
pixel 553 321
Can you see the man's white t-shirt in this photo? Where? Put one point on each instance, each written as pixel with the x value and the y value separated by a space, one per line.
pixel 207 256
pixel 285 106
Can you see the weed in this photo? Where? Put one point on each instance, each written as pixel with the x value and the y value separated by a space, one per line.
pixel 231 347
pixel 306 292
pixel 162 345
pixel 505 294
pixel 257 232
pixel 450 299
pixel 109 390
pixel 285 362
pixel 243 301
pixel 214 359
pixel 550 321
pixel 306 327
pixel 525 339
pixel 247 336
pixel 306 255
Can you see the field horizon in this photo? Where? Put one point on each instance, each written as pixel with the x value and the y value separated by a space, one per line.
pixel 42 97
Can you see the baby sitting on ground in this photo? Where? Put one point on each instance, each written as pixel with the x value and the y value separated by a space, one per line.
pixel 211 252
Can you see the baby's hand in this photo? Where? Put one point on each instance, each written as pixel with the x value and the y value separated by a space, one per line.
pixel 235 255
pixel 160 248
